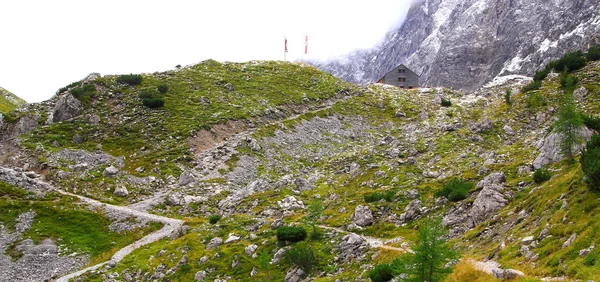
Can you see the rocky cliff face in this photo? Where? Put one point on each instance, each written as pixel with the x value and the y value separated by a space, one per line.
pixel 467 43
pixel 9 101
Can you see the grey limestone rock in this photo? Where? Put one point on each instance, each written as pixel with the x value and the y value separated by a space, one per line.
pixel 295 274
pixel 214 243
pixel 121 191
pixel 550 148
pixel 290 203
pixel 110 171
pixel 67 107
pixel 352 247
pixel 200 275
pixel 303 184
pixel 250 249
pixel 362 216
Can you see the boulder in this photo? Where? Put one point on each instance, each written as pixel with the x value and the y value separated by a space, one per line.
pixel 570 240
pixel 362 216
pixel 67 107
pixel 214 243
pixel 250 249
pixel 411 194
pixel 493 178
pixel 175 199
pixel 186 178
pixel 290 203
pixel 280 254
pixel 303 185
pixel 110 171
pixel 200 275
pixel 489 200
pixel 121 191
pixel 585 252
pixel 295 274
pixel 412 211
pixel 352 246
pixel 550 151
pixel 483 126
pixel 77 139
pixel 232 238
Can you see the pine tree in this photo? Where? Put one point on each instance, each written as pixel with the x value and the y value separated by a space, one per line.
pixel 431 254
pixel 568 125
pixel 315 210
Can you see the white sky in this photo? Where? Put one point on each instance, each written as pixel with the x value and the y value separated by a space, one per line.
pixel 45 45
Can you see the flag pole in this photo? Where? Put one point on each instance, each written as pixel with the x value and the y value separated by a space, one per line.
pixel 285 49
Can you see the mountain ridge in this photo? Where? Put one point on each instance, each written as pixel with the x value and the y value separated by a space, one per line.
pixel 465 44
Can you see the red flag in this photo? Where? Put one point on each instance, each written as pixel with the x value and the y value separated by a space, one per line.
pixel 286 45
pixel 306 45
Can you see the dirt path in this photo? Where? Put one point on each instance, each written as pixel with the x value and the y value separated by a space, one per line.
pixel 373 242
pixel 170 225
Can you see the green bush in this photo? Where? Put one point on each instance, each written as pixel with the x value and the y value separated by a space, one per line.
pixel 535 85
pixel 455 190
pixel 63 89
pixel 302 256
pixel 446 102
pixel 590 162
pixel 378 196
pixel 84 93
pixel 214 218
pixel 163 88
pixel 381 273
pixel 148 94
pixel 591 122
pixel 593 53
pixel 153 102
pixel 569 82
pixel 131 79
pixel 541 175
pixel 569 62
pixel 535 100
pixel 591 259
pixel 541 75
pixel 291 233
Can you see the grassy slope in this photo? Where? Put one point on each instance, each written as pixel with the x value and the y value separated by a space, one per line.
pixel 9 101
pixel 454 153
pixel 199 96
pixel 72 227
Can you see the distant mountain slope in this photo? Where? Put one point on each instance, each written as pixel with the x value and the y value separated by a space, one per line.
pixel 9 101
pixel 466 43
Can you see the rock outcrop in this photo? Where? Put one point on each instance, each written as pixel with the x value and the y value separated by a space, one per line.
pixel 550 148
pixel 67 107
pixel 362 216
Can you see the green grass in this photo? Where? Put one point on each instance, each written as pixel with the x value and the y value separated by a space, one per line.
pixel 6 104
pixel 69 225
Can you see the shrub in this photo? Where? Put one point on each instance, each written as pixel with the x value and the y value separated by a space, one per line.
pixel 63 89
pixel 541 175
pixel 570 62
pixel 568 82
pixel 455 190
pixel 535 85
pixel 541 75
pixel 84 93
pixel 214 218
pixel 381 273
pixel 131 79
pixel 291 233
pixel 446 102
pixel 591 122
pixel 378 196
pixel 507 97
pixel 590 162
pixel 535 100
pixel 153 102
pixel 593 53
pixel 163 88
pixel 302 256
pixel 148 94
